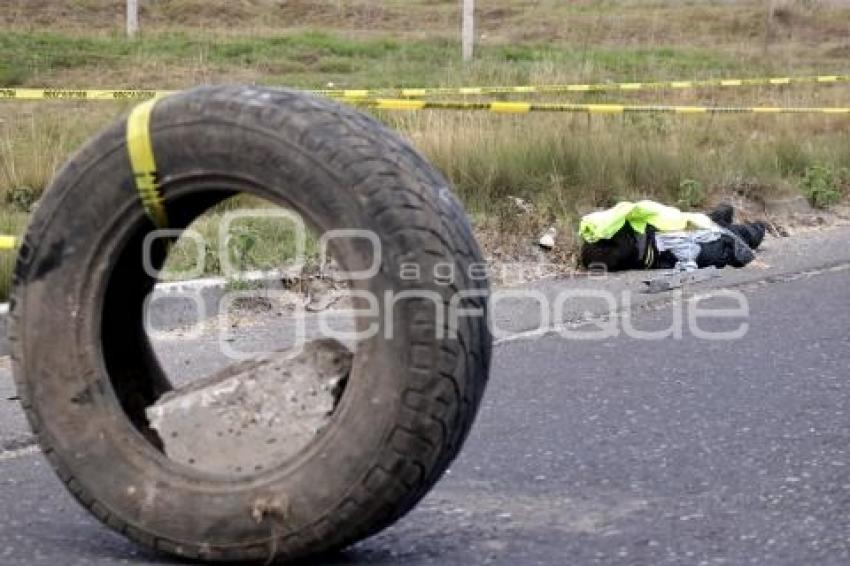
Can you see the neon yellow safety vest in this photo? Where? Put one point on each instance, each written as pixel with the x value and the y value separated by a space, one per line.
pixel 604 224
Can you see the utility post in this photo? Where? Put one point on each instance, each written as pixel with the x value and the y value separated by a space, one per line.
pixel 468 30
pixel 132 18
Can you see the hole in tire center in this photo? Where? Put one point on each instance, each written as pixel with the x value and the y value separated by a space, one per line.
pixel 243 356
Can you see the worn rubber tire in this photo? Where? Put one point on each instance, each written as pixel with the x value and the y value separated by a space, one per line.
pixel 84 368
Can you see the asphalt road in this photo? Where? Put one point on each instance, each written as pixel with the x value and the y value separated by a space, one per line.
pixel 621 451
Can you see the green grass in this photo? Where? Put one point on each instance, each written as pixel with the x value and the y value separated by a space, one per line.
pixel 314 58
pixel 824 185
pixel 256 243
pixel 300 59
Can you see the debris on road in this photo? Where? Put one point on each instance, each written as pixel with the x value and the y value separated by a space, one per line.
pixel 321 295
pixel 547 240
pixel 521 204
pixel 677 279
pixel 255 414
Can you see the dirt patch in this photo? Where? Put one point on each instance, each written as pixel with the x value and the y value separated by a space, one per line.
pixel 517 259
pixel 786 214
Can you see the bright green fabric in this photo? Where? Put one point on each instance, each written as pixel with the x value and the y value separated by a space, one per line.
pixel 604 224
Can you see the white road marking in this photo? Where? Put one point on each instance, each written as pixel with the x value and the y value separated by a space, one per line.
pixel 19 453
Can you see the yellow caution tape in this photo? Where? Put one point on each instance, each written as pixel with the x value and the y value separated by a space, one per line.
pixel 8 242
pixel 401 104
pixel 603 108
pixel 360 98
pixel 142 162
pixel 77 94
pixel 510 107
pixel 143 94
pixel 526 107
pixel 593 87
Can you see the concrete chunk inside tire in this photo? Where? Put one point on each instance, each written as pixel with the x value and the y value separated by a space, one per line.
pixel 86 373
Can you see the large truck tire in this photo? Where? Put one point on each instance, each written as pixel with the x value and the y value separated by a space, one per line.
pixel 85 370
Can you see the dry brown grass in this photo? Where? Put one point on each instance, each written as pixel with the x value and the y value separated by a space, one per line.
pixel 36 139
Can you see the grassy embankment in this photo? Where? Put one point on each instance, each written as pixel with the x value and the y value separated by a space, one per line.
pixel 563 164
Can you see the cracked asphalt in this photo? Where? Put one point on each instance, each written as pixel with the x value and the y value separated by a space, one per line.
pixel 616 451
